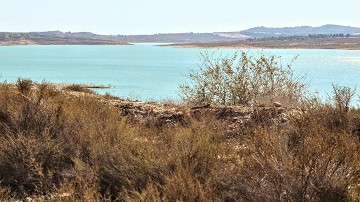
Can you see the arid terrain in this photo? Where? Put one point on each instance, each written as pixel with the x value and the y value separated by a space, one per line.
pixel 65 143
pixel 350 43
pixel 257 37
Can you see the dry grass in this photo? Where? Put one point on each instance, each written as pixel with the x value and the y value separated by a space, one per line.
pixel 78 88
pixel 58 147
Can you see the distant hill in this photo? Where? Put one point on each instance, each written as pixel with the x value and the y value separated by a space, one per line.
pixel 154 38
pixel 177 38
pixel 56 38
pixel 88 38
pixel 299 31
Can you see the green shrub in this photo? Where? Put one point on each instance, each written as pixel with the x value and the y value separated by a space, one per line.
pixel 240 79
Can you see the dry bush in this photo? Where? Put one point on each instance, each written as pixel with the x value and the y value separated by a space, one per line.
pixel 31 155
pixel 182 186
pixel 354 123
pixel 108 96
pixel 61 147
pixel 31 165
pixel 54 143
pixel 43 132
pixel 5 193
pixel 140 161
pixel 342 97
pixel 81 184
pixel 303 161
pixel 240 79
pixel 24 86
pixel 78 88
pixel 189 156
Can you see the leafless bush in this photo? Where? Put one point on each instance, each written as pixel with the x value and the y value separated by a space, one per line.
pixel 242 78
pixel 24 85
pixel 305 162
pixel 342 96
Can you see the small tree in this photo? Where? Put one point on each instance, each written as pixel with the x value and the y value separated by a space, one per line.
pixel 241 78
pixel 342 96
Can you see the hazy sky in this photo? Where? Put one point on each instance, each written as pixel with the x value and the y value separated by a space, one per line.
pixel 169 16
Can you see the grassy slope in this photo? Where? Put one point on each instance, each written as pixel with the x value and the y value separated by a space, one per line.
pixel 63 146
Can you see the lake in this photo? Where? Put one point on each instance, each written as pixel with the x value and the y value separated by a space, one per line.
pixel 151 72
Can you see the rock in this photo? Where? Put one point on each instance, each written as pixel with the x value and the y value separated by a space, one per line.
pixel 224 113
pixel 228 113
pixel 277 104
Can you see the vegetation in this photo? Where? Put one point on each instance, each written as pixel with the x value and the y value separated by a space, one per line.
pixel 301 37
pixel 240 79
pixel 57 38
pixel 88 38
pixel 77 88
pixel 59 146
pixel 260 32
pixel 287 42
pixel 84 88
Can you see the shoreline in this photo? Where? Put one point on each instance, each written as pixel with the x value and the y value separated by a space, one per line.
pixel 66 44
pixel 261 47
pixel 61 42
pixel 221 45
pixel 335 43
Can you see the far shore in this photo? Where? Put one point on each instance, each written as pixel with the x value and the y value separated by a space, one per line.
pixel 85 86
pixel 337 43
pixel 61 42
pixel 352 43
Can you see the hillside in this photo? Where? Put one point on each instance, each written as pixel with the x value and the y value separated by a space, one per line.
pixel 55 38
pixel 345 43
pixel 177 38
pixel 299 31
pixel 88 38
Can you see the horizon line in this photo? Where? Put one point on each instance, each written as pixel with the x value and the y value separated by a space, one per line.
pixel 186 32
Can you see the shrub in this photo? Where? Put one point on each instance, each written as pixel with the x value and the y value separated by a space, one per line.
pixel 240 79
pixel 342 96
pixel 63 147
pixel 24 86
pixel 304 161
pixel 78 88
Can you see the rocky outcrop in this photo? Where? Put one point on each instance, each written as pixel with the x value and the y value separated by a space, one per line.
pixel 171 114
pixel 168 114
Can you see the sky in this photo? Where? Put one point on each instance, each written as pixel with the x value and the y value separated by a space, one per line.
pixel 171 16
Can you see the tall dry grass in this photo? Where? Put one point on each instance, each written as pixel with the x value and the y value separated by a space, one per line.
pixel 61 147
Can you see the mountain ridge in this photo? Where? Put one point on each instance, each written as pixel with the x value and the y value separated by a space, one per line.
pixel 88 38
pixel 299 30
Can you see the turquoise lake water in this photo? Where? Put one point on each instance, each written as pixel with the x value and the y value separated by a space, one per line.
pixel 151 72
